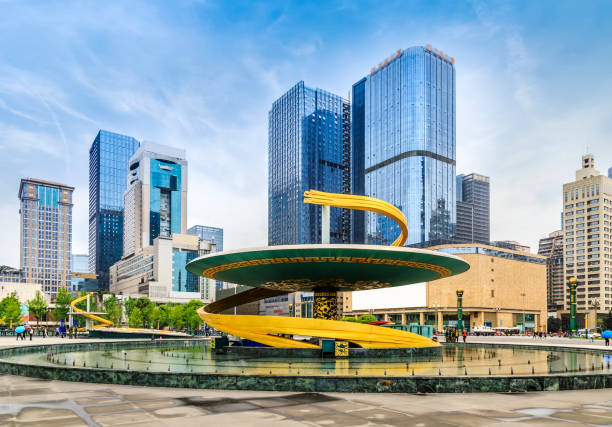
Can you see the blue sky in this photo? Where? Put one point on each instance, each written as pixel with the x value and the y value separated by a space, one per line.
pixel 533 91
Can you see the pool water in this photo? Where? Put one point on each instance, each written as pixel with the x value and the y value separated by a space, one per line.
pixel 458 360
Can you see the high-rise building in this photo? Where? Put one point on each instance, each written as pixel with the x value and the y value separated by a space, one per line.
pixel 512 245
pixel 308 148
pixel 108 163
pixel 587 203
pixel 209 234
pixel 156 196
pixel 552 248
pixel 610 173
pixel 473 209
pixel 404 145
pixel 158 271
pixel 46 233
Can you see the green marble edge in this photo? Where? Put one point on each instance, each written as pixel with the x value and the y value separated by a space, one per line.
pixel 408 384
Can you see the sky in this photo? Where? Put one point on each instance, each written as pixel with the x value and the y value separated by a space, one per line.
pixel 533 93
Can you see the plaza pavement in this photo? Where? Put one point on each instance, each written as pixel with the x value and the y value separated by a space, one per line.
pixel 34 402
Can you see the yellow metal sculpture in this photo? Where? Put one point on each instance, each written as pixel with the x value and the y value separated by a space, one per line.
pixel 362 203
pixel 273 330
pixel 104 323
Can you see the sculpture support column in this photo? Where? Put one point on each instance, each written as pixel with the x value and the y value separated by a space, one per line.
pixel 325 304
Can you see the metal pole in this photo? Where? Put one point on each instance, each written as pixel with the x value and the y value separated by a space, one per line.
pixel 87 322
pixel 572 287
pixel 460 309
pixel 325 224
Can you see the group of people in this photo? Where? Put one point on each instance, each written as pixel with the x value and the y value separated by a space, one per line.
pixel 539 334
pixel 62 331
pixel 452 335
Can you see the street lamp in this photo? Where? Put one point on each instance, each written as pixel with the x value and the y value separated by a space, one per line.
pixel 523 295
pixel 572 287
pixel 460 309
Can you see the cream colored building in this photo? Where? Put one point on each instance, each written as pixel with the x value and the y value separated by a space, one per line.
pixel 25 291
pixel 587 214
pixel 502 289
pixel 158 271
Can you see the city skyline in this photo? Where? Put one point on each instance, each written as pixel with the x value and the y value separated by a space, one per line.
pixel 514 123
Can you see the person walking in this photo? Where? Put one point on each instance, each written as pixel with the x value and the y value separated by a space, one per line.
pixel 607 341
pixel 31 333
pixel 464 335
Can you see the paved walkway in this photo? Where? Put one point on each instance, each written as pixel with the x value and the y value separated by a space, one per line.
pixel 564 342
pixel 32 402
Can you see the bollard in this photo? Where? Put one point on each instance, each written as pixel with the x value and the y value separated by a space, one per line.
pixel 128 368
pixel 413 372
pixel 529 362
pixel 489 371
pixel 439 372
pixel 499 362
pixel 511 371
pixel 532 370
pixel 385 372
pixel 466 372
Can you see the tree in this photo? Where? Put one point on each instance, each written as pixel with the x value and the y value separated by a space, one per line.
pixel 37 306
pixel 10 309
pixel 62 303
pixel 608 321
pixel 175 318
pixel 553 324
pixel 348 319
pixel 190 314
pixel 113 308
pixel 366 318
pixel 163 315
pixel 128 305
pixel 135 319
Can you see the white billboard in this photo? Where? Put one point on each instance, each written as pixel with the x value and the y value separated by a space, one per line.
pixel 399 297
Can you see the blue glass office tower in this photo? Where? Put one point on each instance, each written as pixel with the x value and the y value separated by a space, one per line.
pixel 209 234
pixel 404 146
pixel 108 164
pixel 308 148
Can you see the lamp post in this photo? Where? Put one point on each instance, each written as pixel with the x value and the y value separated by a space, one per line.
pixel 572 288
pixel 460 309
pixel 523 295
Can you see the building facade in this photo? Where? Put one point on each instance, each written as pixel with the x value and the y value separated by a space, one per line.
pixel 552 248
pixel 404 145
pixel 308 149
pixel 473 209
pixel 502 289
pixel 587 214
pixel 512 245
pixel 158 271
pixel 209 234
pixel 155 197
pixel 46 233
pixel 108 163
pixel 80 277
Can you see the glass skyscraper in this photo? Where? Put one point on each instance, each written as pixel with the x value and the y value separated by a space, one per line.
pixel 108 164
pixel 212 235
pixel 404 146
pixel 46 233
pixel 156 196
pixel 308 148
pixel 473 209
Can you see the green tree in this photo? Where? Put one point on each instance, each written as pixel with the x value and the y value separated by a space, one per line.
pixel 62 303
pixel 113 308
pixel 135 319
pixel 37 306
pixel 190 315
pixel 176 318
pixel 128 305
pixel 10 309
pixel 366 318
pixel 348 319
pixel 163 314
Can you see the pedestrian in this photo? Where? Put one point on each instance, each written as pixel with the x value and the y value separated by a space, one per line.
pixel 464 335
pixel 31 333
pixel 18 335
pixel 607 341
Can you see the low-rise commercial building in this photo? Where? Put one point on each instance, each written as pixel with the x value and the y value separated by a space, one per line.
pixel 158 271
pixel 502 289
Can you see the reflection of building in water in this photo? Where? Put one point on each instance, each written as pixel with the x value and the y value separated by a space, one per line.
pixel 502 288
pixel 299 304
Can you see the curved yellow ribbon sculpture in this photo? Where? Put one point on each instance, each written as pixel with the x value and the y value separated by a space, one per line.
pixel 266 329
pixel 104 322
pixel 362 203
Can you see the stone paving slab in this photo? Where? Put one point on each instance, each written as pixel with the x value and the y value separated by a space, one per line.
pixel 58 403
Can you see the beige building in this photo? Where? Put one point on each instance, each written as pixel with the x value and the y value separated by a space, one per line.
pixel 587 213
pixel 552 248
pixel 25 291
pixel 502 289
pixel 158 271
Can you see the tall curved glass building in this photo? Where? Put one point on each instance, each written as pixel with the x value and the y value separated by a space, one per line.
pixel 403 146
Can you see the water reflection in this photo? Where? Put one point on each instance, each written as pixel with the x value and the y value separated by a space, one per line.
pixel 451 361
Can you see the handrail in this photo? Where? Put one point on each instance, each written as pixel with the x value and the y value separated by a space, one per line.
pixel 76 310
